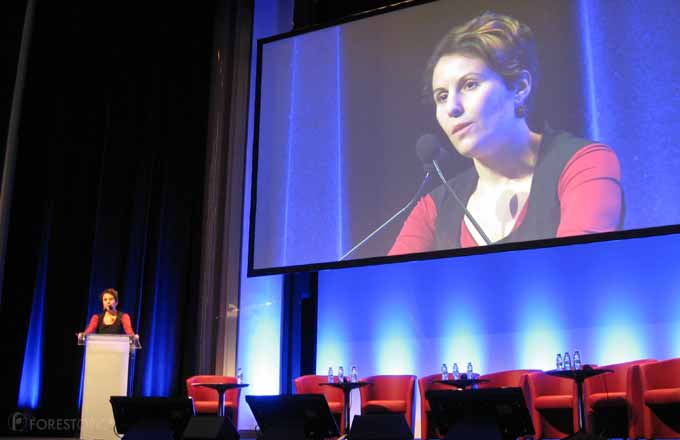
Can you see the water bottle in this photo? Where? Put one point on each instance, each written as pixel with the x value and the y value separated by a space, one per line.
pixel 341 374
pixel 470 374
pixel 239 375
pixel 330 374
pixel 456 372
pixel 567 361
pixel 558 361
pixel 355 375
pixel 577 360
pixel 445 372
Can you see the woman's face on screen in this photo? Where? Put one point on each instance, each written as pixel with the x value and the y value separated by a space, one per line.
pixel 109 301
pixel 474 107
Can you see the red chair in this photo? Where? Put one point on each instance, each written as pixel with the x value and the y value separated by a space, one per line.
pixel 389 394
pixel 205 399
pixel 609 406
pixel 660 395
pixel 310 385
pixel 424 385
pixel 504 379
pixel 552 405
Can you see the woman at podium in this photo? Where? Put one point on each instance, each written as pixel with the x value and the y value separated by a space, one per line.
pixel 111 320
pixel 107 366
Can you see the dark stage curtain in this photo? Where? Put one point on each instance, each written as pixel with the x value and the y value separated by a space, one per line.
pixel 108 193
pixel 12 17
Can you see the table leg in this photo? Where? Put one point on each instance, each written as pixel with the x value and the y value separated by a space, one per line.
pixel 581 408
pixel 347 395
pixel 220 402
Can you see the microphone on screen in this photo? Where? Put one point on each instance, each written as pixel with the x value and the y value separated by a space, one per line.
pixel 428 152
pixel 429 145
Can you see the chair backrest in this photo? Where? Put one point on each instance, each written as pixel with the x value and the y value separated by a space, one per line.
pixel 208 394
pixel 503 379
pixel 388 387
pixel 612 382
pixel 662 374
pixel 425 384
pixel 657 422
pixel 309 384
pixel 544 384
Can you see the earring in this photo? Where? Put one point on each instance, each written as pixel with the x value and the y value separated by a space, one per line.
pixel 520 110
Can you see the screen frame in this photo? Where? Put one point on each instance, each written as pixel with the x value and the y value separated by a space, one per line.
pixel 252 271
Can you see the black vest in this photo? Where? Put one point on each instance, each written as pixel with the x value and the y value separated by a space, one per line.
pixel 543 213
pixel 114 329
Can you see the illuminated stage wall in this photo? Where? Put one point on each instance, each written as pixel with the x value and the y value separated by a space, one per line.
pixel 615 301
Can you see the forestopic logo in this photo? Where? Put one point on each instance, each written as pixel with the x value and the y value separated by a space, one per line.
pixel 18 422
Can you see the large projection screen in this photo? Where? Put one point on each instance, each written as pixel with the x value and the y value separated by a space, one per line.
pixel 340 110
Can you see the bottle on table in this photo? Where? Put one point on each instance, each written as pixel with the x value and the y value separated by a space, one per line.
pixel 558 362
pixel 456 372
pixel 469 372
pixel 341 374
pixel 577 360
pixel 354 376
pixel 445 372
pixel 330 374
pixel 567 361
pixel 239 375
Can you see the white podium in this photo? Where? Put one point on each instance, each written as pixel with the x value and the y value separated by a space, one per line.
pixel 106 374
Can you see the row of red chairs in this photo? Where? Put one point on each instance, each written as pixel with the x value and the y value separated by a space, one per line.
pixel 643 395
pixel 639 399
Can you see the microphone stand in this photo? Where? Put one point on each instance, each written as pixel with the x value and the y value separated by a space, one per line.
pixel 418 194
pixel 423 185
pixel 461 204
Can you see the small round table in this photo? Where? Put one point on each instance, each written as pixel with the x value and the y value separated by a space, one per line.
pixel 579 376
pixel 346 388
pixel 221 388
pixel 461 384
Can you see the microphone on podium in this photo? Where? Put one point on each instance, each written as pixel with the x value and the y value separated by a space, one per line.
pixel 428 151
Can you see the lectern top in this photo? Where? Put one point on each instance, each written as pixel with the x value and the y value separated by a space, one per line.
pixel 132 340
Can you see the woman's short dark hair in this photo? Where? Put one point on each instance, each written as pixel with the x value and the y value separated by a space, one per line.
pixel 110 291
pixel 505 44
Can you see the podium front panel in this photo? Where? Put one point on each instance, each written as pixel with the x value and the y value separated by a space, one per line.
pixel 106 375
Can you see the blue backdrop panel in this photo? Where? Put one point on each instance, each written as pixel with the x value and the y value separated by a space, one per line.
pixel 259 311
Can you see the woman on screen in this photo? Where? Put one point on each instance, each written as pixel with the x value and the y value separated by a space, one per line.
pixel 523 185
pixel 110 320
